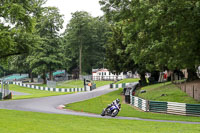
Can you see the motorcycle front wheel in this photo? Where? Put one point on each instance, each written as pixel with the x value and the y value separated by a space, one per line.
pixel 114 113
pixel 103 112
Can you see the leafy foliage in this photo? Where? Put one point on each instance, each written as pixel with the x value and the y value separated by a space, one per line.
pixel 159 34
pixel 84 40
pixel 17 21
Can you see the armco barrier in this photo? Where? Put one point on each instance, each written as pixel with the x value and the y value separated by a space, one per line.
pixel 51 89
pixel 176 108
pixel 139 103
pixel 193 109
pixel 122 85
pixel 159 107
pixel 166 107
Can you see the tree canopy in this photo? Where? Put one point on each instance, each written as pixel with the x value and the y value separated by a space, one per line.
pixel 17 20
pixel 85 37
pixel 160 35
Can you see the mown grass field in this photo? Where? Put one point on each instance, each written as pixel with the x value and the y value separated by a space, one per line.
pixel 97 104
pixel 31 122
pixel 67 84
pixel 170 91
pixel 32 93
pixel 77 84
pixel 128 80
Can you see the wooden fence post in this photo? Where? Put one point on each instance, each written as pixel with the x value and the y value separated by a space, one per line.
pixel 193 91
pixel 185 88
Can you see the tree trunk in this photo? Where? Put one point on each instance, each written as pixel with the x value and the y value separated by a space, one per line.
pixel 44 77
pixel 31 76
pixel 143 81
pixel 51 75
pixel 172 76
pixel 80 58
pixel 192 74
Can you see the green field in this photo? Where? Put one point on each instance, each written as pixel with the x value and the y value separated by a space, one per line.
pixel 102 83
pixel 33 93
pixel 77 84
pixel 67 84
pixel 31 122
pixel 97 104
pixel 128 80
pixel 171 93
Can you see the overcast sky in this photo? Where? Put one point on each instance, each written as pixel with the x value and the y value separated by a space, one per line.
pixel 67 7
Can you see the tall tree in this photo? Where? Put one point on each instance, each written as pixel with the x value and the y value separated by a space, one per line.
pixel 47 56
pixel 85 37
pixel 77 34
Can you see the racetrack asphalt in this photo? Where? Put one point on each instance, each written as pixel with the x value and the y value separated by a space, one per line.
pixel 51 104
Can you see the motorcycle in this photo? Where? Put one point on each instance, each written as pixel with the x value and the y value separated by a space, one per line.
pixel 111 110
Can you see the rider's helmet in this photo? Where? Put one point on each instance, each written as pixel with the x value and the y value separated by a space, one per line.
pixel 117 100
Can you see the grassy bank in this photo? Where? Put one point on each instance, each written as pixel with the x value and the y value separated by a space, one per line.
pixel 165 92
pixel 96 105
pixel 67 84
pixel 32 93
pixel 31 122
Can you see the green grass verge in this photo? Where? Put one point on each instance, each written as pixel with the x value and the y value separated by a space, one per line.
pixel 102 83
pixel 67 84
pixel 32 122
pixel 97 104
pixel 171 91
pixel 128 80
pixel 33 93
pixel 77 84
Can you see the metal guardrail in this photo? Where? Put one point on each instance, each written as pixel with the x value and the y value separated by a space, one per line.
pixel 166 107
pixel 139 103
pixel 122 85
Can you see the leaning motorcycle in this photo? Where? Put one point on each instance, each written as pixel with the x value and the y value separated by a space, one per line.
pixel 111 110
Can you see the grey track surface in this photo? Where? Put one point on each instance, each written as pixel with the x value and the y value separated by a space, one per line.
pixel 50 104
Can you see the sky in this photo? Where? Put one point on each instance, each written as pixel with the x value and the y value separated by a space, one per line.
pixel 67 7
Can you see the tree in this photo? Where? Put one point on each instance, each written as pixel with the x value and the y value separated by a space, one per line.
pixel 84 40
pixel 160 34
pixel 77 33
pixel 17 17
pixel 47 56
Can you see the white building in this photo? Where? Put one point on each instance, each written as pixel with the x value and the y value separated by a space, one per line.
pixel 104 74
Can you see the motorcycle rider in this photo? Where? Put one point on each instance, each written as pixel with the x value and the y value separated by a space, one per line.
pixel 115 102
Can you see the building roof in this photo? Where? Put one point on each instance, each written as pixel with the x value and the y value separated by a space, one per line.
pixel 99 70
